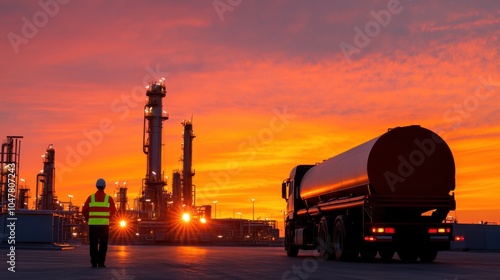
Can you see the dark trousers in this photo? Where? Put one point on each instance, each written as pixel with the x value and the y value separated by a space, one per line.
pixel 98 238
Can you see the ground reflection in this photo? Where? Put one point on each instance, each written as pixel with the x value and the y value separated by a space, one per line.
pixel 191 254
pixel 122 252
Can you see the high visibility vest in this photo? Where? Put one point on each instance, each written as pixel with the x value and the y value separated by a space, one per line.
pixel 99 211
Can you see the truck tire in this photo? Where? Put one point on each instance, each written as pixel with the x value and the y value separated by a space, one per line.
pixel 428 255
pixel 341 246
pixel 291 250
pixel 408 255
pixel 325 244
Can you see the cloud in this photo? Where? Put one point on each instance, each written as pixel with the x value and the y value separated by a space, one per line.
pixel 91 61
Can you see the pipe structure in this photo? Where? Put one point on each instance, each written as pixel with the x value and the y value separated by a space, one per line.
pixel 154 182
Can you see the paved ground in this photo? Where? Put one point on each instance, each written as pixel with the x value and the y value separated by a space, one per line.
pixel 195 262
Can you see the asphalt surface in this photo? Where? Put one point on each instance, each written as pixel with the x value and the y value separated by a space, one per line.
pixel 210 262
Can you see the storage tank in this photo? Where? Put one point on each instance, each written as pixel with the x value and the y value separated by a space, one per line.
pixel 405 161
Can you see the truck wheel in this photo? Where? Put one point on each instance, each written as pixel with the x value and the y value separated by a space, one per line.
pixel 386 254
pixel 325 240
pixel 408 255
pixel 291 250
pixel 428 255
pixel 340 242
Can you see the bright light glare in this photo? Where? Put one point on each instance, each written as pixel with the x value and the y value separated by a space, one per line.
pixel 186 217
pixel 123 223
pixel 203 220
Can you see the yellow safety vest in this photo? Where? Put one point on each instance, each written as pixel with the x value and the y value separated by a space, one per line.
pixel 99 211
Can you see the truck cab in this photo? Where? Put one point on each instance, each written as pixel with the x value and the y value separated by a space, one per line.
pixel 290 191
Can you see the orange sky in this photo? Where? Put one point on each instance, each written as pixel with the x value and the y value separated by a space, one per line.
pixel 268 84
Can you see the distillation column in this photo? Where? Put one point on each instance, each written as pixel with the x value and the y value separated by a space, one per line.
pixel 23 198
pixel 187 162
pixel 154 182
pixel 123 198
pixel 9 155
pixel 176 189
pixel 48 199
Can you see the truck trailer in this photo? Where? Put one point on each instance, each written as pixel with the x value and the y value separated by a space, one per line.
pixel 390 194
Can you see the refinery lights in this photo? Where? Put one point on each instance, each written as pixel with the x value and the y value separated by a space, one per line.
pixel 123 223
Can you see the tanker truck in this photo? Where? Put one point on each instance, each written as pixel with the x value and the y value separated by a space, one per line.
pixel 390 194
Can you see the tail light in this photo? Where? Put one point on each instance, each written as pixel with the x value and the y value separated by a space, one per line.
pixel 459 238
pixel 438 230
pixel 389 230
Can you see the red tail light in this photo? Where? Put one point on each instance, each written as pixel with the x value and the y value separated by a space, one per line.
pixel 438 230
pixel 390 230
pixel 383 230
pixel 459 238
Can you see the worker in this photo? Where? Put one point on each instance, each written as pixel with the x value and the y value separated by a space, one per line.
pixel 98 210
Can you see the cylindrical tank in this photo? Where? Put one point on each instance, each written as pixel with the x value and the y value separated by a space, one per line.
pixel 406 161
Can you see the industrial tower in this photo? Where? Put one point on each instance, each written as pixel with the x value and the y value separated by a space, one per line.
pixel 176 189
pixel 187 163
pixel 154 182
pixel 122 196
pixel 48 199
pixel 10 155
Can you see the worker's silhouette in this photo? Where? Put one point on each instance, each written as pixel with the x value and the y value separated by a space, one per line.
pixel 98 210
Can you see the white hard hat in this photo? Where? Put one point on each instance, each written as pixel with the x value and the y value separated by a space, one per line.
pixel 100 183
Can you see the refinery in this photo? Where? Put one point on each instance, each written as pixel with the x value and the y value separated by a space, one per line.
pixel 158 215
pixel 382 210
pixel 287 140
